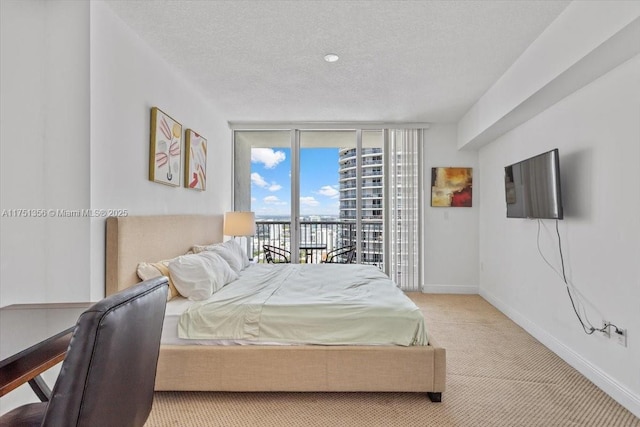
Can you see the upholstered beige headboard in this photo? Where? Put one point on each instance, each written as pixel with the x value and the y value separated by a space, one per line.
pixel 134 239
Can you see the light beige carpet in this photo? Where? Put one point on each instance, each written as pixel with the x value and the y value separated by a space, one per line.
pixel 497 375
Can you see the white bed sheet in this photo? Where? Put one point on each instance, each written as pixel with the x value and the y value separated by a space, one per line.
pixel 329 304
pixel 174 310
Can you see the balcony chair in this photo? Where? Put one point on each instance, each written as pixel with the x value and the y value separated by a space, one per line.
pixel 343 255
pixel 108 375
pixel 275 255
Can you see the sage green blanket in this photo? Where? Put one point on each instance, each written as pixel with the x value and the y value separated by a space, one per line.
pixel 328 304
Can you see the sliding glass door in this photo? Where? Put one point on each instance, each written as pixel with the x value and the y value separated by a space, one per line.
pixel 262 184
pixel 315 191
pixel 324 227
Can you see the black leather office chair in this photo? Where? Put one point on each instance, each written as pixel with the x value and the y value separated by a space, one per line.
pixel 108 375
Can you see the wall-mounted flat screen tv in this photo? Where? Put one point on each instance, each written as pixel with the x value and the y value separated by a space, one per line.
pixel 532 187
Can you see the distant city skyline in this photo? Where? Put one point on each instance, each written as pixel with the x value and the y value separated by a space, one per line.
pixel 271 182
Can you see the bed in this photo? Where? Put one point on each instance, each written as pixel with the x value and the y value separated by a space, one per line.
pixel 339 368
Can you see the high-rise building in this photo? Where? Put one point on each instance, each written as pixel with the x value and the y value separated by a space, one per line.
pixel 372 208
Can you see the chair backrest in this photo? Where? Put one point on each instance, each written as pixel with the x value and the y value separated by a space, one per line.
pixel 351 256
pixel 274 254
pixel 108 375
pixel 344 255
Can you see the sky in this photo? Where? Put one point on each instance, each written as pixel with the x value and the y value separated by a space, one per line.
pixel 271 186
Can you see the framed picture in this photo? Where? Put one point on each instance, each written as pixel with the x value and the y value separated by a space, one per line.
pixel 195 166
pixel 165 154
pixel 451 187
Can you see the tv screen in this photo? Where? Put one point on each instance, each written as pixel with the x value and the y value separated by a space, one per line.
pixel 532 187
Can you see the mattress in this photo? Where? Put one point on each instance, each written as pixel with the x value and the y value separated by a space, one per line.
pixel 326 304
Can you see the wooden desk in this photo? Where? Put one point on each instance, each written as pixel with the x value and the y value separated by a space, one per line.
pixel 33 338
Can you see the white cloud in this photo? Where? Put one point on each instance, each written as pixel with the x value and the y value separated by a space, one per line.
pixel 267 157
pixel 258 180
pixel 329 191
pixel 273 200
pixel 308 201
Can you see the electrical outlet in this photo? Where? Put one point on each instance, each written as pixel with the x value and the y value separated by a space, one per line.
pixel 606 329
pixel 621 336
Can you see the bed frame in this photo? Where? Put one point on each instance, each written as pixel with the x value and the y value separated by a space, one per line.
pixel 133 239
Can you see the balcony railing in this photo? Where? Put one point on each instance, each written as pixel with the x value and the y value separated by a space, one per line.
pixel 317 238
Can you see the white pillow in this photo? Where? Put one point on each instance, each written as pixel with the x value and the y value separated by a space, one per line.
pixel 196 249
pixel 221 270
pixel 198 276
pixel 150 270
pixel 230 250
pixel 235 248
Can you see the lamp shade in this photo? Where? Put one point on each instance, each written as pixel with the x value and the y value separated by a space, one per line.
pixel 239 224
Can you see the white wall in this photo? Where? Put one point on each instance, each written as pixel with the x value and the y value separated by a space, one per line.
pixel 44 142
pixel 450 234
pixel 598 135
pixel 127 79
pixel 44 156
pixel 588 39
pixel 77 88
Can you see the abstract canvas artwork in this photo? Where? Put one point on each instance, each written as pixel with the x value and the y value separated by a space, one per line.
pixel 451 187
pixel 195 167
pixel 165 154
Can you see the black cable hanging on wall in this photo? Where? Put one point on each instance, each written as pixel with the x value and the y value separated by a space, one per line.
pixel 590 329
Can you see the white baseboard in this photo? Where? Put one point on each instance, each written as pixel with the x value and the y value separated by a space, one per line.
pixel 450 289
pixel 601 379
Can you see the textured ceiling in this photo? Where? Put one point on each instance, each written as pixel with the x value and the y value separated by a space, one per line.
pixel 412 61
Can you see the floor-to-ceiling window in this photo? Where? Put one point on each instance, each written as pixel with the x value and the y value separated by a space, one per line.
pixel 323 226
pixel 362 197
pixel 316 190
pixel 262 183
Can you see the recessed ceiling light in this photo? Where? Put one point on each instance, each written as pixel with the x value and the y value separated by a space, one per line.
pixel 331 57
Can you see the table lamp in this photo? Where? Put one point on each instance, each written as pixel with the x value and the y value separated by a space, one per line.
pixel 239 224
